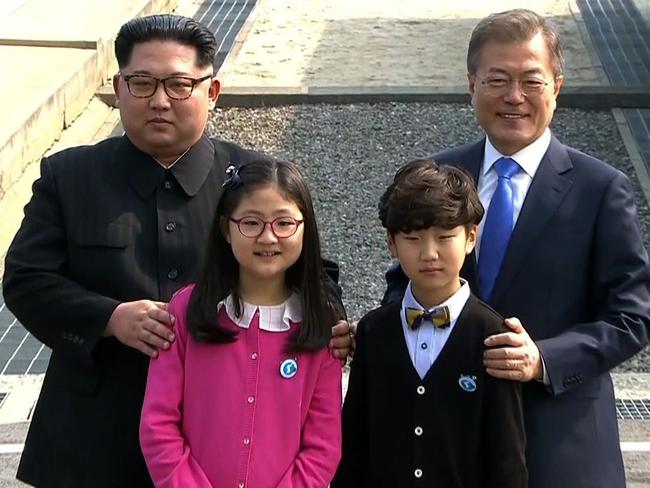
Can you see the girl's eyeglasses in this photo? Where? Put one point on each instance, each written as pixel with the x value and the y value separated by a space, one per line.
pixel 282 227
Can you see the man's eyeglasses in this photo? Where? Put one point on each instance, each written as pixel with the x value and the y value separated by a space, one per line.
pixel 498 85
pixel 282 227
pixel 176 87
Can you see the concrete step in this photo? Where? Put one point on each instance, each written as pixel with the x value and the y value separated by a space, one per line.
pixel 59 57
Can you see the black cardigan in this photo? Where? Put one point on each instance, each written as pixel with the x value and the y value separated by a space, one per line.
pixel 403 431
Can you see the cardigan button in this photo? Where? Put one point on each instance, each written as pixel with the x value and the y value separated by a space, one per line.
pixel 254 355
pixel 421 390
pixel 241 484
pixel 247 441
pixel 250 399
pixel 418 430
pixel 418 473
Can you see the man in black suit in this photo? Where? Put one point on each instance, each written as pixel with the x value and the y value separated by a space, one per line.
pixel 111 231
pixel 562 252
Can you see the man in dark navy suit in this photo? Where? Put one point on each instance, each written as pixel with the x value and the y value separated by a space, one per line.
pixel 560 249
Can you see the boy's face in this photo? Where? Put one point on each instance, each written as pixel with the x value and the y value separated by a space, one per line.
pixel 432 259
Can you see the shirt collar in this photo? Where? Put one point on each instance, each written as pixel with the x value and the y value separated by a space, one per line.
pixel 456 302
pixel 190 170
pixel 529 158
pixel 275 318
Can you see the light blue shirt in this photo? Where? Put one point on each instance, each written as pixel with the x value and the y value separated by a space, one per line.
pixel 425 343
pixel 529 158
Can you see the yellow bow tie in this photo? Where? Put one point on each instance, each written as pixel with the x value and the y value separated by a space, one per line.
pixel 441 317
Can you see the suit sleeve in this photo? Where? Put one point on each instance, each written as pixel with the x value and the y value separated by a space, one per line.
pixel 396 283
pixel 320 445
pixel 504 435
pixel 37 289
pixel 168 457
pixel 620 295
pixel 332 287
pixel 354 460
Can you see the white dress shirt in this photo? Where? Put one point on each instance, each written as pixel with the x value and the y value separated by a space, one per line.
pixel 425 343
pixel 528 159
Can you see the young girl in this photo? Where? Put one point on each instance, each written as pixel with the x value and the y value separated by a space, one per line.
pixel 248 394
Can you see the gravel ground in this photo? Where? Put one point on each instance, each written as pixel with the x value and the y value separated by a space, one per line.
pixel 349 153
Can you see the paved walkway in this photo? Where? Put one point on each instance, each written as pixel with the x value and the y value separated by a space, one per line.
pixel 620 33
pixel 379 43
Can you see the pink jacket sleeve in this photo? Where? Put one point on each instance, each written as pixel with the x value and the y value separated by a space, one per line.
pixel 168 457
pixel 320 446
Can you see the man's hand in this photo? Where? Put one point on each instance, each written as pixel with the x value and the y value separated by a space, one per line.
pixel 513 355
pixel 341 342
pixel 143 325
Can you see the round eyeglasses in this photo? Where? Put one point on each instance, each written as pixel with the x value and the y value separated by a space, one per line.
pixel 176 87
pixel 282 227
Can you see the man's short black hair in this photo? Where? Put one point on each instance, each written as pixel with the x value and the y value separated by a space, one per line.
pixel 424 194
pixel 166 27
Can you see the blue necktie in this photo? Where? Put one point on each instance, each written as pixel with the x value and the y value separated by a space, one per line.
pixel 497 228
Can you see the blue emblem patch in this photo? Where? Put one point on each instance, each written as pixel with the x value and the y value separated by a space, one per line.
pixel 467 382
pixel 288 368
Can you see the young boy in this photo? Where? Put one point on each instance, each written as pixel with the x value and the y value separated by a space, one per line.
pixel 420 410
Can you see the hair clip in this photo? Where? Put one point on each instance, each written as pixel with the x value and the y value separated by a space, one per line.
pixel 232 181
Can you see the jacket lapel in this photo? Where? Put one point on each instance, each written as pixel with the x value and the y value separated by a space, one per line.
pixel 470 158
pixel 546 192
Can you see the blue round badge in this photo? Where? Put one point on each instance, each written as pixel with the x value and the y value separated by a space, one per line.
pixel 467 382
pixel 288 368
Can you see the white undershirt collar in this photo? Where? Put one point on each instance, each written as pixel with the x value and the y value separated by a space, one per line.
pixel 528 158
pixel 274 318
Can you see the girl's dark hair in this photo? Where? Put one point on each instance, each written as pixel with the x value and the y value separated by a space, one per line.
pixel 166 27
pixel 219 275
pixel 424 194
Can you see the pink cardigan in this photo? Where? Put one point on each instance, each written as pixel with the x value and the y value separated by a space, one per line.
pixel 222 415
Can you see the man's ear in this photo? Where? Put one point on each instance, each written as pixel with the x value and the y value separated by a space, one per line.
pixel 471 84
pixel 390 242
pixel 213 93
pixel 116 88
pixel 559 81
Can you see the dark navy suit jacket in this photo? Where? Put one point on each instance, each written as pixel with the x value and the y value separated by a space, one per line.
pixel 576 274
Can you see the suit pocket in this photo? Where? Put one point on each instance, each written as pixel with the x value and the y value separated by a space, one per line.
pixel 102 257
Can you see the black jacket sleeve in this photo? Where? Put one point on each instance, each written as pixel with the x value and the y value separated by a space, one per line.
pixel 36 286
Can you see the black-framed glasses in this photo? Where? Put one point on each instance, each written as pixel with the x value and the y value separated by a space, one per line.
pixel 176 87
pixel 499 85
pixel 282 227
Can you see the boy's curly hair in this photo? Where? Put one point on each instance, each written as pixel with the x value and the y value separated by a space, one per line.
pixel 424 194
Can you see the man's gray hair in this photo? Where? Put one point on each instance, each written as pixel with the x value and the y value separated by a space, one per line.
pixel 514 26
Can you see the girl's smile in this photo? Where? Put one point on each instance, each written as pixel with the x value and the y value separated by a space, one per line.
pixel 264 259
